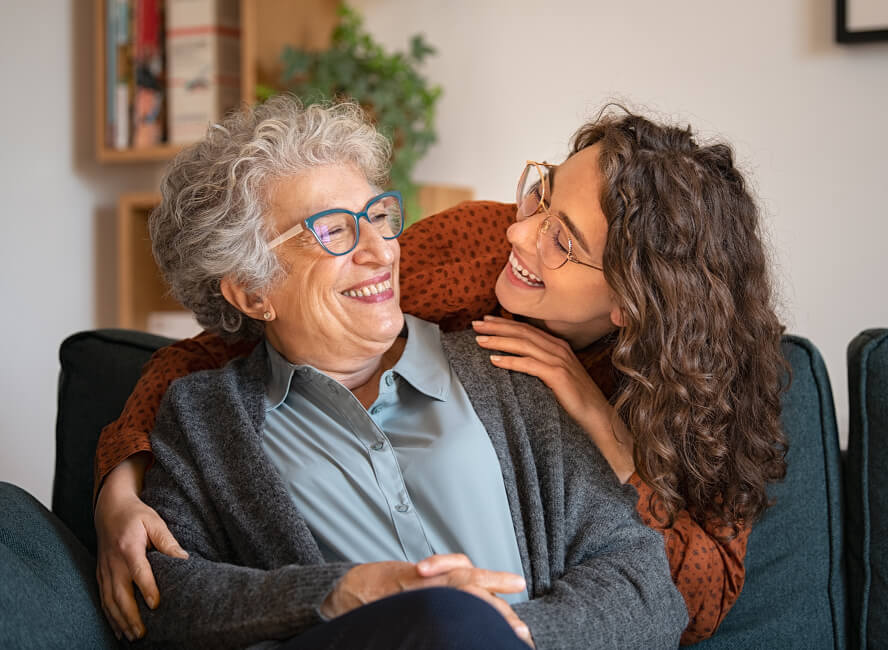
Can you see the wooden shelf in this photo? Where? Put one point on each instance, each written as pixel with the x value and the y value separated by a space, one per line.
pixel 142 290
pixel 160 153
pixel 266 27
pixel 140 287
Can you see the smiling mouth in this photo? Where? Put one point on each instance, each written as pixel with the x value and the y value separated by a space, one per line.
pixel 523 274
pixel 368 290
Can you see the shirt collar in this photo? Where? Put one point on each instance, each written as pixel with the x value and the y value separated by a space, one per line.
pixel 422 364
pixel 277 380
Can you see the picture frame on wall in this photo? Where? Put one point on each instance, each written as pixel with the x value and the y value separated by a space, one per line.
pixel 861 21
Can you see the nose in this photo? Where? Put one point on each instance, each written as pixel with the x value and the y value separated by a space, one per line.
pixel 372 248
pixel 523 234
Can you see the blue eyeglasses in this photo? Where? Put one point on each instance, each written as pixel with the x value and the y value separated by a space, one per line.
pixel 337 230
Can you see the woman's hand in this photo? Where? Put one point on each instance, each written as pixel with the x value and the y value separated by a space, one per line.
pixel 125 528
pixel 367 583
pixel 459 571
pixel 551 359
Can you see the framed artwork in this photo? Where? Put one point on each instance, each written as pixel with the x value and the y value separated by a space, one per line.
pixel 861 21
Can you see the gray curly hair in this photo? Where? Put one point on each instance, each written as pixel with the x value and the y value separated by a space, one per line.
pixel 211 222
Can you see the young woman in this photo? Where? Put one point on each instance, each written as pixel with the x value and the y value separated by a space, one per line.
pixel 640 279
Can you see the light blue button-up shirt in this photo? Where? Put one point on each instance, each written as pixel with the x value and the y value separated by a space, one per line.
pixel 412 476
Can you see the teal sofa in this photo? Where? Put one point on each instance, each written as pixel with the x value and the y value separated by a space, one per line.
pixel 798 593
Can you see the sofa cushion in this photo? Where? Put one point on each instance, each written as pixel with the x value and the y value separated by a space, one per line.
pixel 794 591
pixel 866 485
pixel 48 593
pixel 98 372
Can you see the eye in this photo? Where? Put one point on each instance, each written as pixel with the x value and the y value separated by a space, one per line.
pixel 559 238
pixel 327 233
pixel 378 218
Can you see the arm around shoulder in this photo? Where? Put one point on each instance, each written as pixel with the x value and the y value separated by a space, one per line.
pixel 129 434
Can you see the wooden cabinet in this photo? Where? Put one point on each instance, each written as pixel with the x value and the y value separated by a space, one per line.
pixel 140 288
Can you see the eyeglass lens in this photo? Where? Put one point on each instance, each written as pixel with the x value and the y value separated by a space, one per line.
pixel 337 231
pixel 553 243
pixel 532 190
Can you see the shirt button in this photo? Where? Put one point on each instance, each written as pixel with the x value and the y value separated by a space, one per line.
pixel 377 446
pixel 402 507
pixel 375 410
pixel 389 380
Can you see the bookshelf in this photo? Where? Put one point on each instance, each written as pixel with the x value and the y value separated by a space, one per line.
pixel 266 26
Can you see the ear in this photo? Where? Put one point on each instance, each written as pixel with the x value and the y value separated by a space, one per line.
pixel 616 314
pixel 244 301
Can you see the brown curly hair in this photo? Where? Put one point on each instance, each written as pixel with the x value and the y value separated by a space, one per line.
pixel 699 348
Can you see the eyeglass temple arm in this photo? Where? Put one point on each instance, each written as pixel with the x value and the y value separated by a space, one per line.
pixel 287 234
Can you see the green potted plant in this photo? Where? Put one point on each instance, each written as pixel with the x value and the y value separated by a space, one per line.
pixel 388 86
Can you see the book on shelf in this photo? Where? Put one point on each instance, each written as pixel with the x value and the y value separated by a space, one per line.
pixel 203 65
pixel 148 70
pixel 110 67
pixel 172 68
pixel 120 23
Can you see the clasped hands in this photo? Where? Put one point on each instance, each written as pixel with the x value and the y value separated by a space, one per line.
pixel 369 582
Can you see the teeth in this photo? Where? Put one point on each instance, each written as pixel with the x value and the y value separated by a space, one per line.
pixel 369 290
pixel 523 274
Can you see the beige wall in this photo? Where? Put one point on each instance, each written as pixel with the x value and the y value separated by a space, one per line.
pixel 807 118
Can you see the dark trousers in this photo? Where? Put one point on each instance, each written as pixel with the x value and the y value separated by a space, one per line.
pixel 427 619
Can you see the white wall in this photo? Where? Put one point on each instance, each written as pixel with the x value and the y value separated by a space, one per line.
pixel 807 118
pixel 56 221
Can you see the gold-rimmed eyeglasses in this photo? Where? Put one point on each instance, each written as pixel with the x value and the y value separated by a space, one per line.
pixel 554 243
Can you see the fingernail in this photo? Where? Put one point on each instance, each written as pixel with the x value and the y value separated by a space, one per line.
pixel 495 358
pixel 475 323
pixel 129 635
pixel 482 339
pixel 150 601
pixel 118 635
pixel 523 631
pixel 488 317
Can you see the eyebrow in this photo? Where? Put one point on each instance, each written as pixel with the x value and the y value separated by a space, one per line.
pixel 574 231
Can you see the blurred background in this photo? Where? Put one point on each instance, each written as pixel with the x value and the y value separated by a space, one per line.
pixel 806 116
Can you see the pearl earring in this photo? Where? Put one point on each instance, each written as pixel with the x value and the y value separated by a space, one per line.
pixel 267 315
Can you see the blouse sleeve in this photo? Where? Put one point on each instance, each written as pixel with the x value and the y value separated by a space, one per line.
pixel 708 574
pixel 450 262
pixel 129 433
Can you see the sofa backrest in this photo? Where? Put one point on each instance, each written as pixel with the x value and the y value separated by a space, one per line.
pixel 794 595
pixel 794 591
pixel 98 372
pixel 866 487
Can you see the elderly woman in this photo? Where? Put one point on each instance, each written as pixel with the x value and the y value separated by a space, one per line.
pixel 326 486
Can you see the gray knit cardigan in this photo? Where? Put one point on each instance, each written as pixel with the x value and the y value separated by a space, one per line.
pixel 596 576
